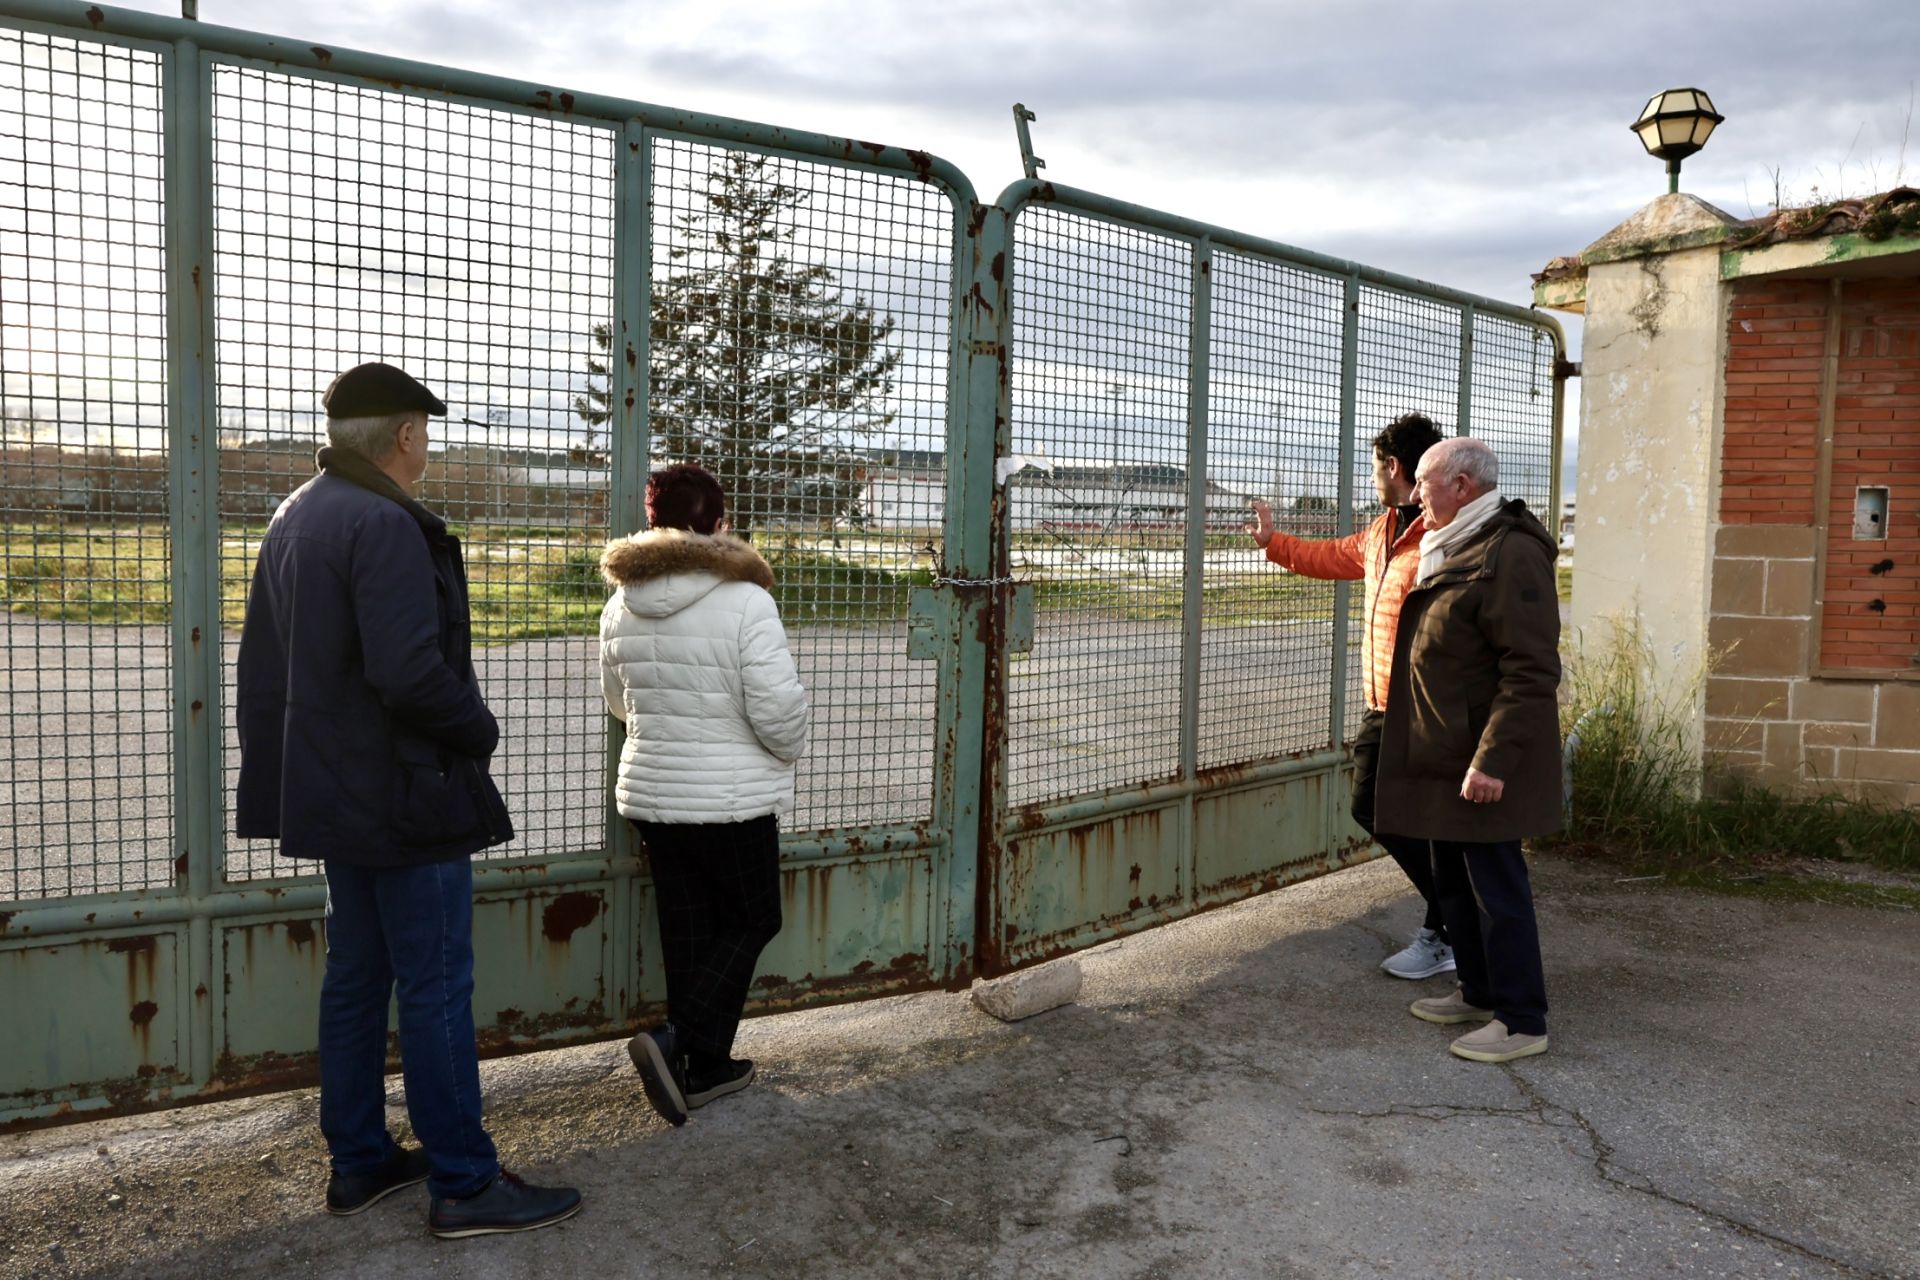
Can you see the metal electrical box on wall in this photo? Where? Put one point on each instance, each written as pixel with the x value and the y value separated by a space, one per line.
pixel 1869 513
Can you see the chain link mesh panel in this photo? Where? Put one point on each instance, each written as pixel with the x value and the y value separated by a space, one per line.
pixel 1407 361
pixel 1273 432
pixel 1099 368
pixel 473 248
pixel 1100 320
pixel 799 349
pixel 86 737
pixel 1512 408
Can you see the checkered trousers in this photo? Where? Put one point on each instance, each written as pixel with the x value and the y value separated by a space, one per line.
pixel 717 886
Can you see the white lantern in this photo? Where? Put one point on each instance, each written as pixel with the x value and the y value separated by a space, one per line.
pixel 1674 125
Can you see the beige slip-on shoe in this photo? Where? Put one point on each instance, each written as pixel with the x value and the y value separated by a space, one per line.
pixel 1494 1043
pixel 1449 1008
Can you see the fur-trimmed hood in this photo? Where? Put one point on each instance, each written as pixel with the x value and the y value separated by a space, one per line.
pixel 662 571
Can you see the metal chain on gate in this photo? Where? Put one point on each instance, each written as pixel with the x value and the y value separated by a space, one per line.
pixel 942 580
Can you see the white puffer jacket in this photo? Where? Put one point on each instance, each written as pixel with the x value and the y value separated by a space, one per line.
pixel 693 659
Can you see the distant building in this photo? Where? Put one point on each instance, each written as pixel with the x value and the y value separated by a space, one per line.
pixel 909 491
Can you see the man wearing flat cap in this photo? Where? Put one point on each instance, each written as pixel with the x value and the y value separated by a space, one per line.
pixel 364 743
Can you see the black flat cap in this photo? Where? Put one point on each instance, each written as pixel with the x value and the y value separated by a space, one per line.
pixel 369 390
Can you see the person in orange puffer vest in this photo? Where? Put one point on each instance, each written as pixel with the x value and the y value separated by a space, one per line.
pixel 1386 553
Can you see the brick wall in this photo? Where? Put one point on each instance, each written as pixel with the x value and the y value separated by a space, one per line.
pixel 1873 607
pixel 1776 336
pixel 1767 714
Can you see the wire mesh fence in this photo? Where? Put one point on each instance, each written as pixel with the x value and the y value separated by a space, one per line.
pixel 800 342
pixel 86 736
pixel 799 351
pixel 1098 519
pixel 472 247
pixel 1096 706
pixel 1407 360
pixel 1512 408
pixel 1273 432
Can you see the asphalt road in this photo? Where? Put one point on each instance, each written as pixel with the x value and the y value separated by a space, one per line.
pixel 86 738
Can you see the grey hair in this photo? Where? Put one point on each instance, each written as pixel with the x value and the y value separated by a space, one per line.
pixel 371 438
pixel 1466 456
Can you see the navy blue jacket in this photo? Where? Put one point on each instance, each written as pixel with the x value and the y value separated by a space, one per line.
pixel 363 737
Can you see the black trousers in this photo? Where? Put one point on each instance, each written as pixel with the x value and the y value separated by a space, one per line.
pixel 1411 854
pixel 1488 904
pixel 717 886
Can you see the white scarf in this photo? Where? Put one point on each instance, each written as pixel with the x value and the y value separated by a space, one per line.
pixel 1436 543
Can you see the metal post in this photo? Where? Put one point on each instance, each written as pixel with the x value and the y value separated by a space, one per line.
pixel 1193 598
pixel 1343 502
pixel 1556 450
pixel 194 521
pixel 973 707
pixel 629 445
pixel 1193 603
pixel 1342 591
pixel 1463 409
pixel 1028 161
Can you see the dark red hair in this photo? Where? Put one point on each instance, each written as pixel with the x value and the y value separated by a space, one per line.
pixel 685 496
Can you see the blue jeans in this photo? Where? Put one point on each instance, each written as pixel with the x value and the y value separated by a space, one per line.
pixel 410 926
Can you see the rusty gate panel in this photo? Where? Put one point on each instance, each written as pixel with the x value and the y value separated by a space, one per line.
pixel 269 989
pixel 244 188
pixel 1178 735
pixel 1260 836
pixel 853 927
pixel 109 1007
pixel 1072 886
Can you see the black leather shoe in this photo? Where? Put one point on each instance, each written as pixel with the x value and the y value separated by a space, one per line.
pixel 705 1083
pixel 348 1194
pixel 507 1204
pixel 662 1065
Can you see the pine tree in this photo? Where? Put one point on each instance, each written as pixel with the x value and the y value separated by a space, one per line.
pixel 763 371
pixel 595 406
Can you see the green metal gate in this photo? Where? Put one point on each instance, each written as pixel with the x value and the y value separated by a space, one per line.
pixel 1032 730
pixel 1176 735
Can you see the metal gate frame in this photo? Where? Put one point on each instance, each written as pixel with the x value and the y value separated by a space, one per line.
pixel 1105 838
pixel 176 944
pixel 188 949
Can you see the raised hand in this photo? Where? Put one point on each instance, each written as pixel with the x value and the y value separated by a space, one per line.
pixel 1262 529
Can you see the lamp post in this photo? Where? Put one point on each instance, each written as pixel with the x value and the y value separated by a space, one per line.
pixel 1674 125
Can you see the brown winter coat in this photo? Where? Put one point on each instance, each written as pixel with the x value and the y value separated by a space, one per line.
pixel 1476 670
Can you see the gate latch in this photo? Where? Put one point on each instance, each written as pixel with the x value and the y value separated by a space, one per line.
pixel 927 614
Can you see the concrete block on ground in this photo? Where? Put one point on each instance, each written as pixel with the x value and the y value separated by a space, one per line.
pixel 1030 991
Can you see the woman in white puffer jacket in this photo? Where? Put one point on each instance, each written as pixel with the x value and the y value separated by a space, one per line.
pixel 695 662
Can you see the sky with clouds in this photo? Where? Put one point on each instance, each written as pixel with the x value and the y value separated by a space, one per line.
pixel 1463 142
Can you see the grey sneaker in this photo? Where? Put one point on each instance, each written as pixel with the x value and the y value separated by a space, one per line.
pixel 1494 1043
pixel 1449 1008
pixel 1425 956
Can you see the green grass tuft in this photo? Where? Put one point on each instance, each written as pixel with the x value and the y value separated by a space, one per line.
pixel 1639 793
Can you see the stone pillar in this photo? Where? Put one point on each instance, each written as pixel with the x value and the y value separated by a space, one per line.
pixel 1650 411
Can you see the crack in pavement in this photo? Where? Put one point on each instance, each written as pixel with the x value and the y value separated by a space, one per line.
pixel 1542 1110
pixel 1445 1111
pixel 1379 935
pixel 1604 1165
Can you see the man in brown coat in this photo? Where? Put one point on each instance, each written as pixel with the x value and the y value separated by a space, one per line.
pixel 1470 752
